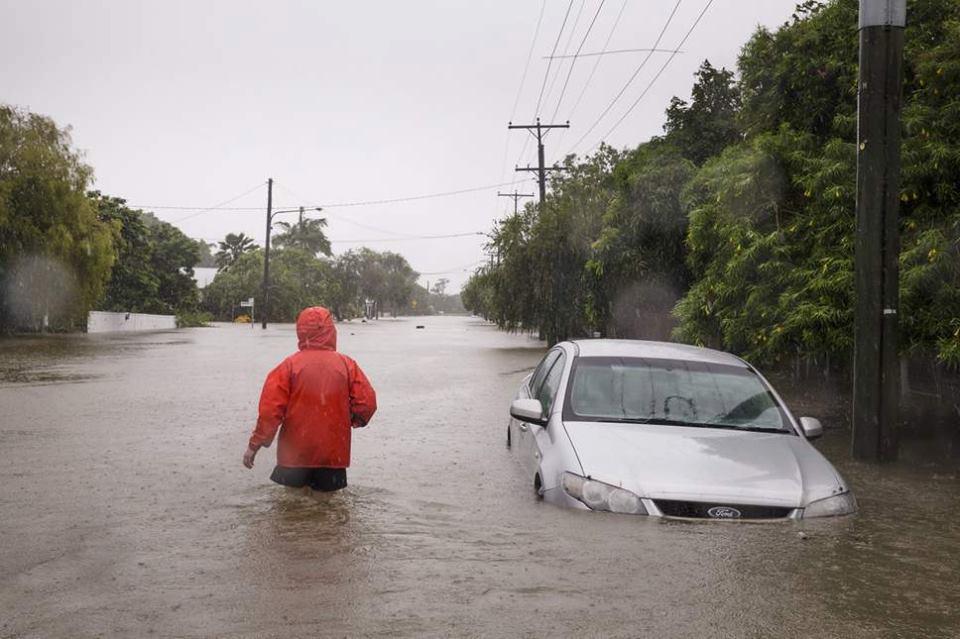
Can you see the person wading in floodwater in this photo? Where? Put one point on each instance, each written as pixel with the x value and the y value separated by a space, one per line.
pixel 315 397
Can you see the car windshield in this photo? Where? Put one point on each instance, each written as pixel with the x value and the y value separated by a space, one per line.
pixel 664 391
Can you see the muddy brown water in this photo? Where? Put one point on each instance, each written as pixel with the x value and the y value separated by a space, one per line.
pixel 126 512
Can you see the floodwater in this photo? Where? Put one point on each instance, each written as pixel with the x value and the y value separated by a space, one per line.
pixel 126 512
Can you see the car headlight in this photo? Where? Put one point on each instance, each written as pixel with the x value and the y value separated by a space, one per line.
pixel 600 496
pixel 842 504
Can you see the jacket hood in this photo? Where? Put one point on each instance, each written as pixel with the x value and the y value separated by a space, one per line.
pixel 315 330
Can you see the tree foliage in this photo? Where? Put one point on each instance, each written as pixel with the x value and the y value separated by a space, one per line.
pixel 298 279
pixel 306 235
pixel 55 254
pixel 154 261
pixel 231 248
pixel 742 213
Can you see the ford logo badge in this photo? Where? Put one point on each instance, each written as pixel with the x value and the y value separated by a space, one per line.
pixel 723 512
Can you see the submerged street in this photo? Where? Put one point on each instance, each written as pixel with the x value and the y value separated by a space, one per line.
pixel 126 511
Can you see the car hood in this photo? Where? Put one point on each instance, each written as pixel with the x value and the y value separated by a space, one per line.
pixel 705 464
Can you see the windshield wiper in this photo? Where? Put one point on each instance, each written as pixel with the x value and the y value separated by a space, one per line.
pixel 746 427
pixel 679 422
pixel 648 420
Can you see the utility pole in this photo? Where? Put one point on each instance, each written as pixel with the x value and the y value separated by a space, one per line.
pixel 555 333
pixel 266 255
pixel 516 197
pixel 540 170
pixel 301 218
pixel 876 381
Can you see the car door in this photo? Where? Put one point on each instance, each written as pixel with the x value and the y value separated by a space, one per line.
pixel 538 438
pixel 519 431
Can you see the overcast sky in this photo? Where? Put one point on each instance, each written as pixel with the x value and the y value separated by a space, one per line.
pixel 193 103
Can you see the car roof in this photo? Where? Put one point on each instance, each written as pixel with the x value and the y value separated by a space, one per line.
pixel 658 350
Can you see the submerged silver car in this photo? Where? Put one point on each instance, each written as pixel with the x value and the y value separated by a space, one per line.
pixel 652 428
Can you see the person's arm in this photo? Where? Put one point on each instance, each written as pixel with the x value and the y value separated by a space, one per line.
pixel 363 399
pixel 273 408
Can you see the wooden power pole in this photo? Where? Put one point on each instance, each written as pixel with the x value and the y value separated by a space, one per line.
pixel 516 197
pixel 266 255
pixel 537 130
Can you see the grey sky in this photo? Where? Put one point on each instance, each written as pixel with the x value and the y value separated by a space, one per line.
pixel 189 104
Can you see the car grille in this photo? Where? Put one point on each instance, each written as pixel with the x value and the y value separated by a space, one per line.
pixel 706 510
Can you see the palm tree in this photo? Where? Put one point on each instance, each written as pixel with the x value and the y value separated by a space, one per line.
pixel 231 248
pixel 306 235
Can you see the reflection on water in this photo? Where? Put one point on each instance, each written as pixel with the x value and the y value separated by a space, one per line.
pixel 126 511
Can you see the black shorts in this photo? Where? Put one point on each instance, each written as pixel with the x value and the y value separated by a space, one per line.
pixel 325 479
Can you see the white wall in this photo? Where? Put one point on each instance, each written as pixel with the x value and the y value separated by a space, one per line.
pixel 103 322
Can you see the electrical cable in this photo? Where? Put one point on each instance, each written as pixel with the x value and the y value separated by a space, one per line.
pixel 659 73
pixel 597 63
pixel 526 67
pixel 630 81
pixel 411 238
pixel 523 80
pixel 455 270
pixel 221 207
pixel 566 49
pixel 616 51
pixel 550 62
pixel 209 208
pixel 574 60
pixel 526 140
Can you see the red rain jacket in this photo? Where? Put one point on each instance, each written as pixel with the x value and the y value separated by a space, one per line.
pixel 317 394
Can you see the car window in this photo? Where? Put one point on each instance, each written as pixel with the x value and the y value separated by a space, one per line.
pixel 542 370
pixel 665 391
pixel 548 391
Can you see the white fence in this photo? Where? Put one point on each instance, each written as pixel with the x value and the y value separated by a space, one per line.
pixel 104 322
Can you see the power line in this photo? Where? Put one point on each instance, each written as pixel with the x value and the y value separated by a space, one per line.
pixel 660 72
pixel 615 51
pixel 454 270
pixel 526 67
pixel 597 63
pixel 552 53
pixel 411 238
pixel 523 80
pixel 368 227
pixel 574 60
pixel 329 205
pixel 526 141
pixel 630 81
pixel 566 48
pixel 209 208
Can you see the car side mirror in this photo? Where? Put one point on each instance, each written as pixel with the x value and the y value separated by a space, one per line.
pixel 811 427
pixel 528 410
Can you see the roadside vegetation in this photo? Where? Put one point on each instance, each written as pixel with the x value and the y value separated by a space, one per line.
pixel 734 229
pixel 65 250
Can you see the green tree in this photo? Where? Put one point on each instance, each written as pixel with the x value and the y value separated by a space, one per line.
pixel 133 285
pixel 637 268
pixel 55 254
pixel 231 248
pixel 772 219
pixel 703 128
pixel 153 270
pixel 222 297
pixel 207 260
pixel 382 278
pixel 306 235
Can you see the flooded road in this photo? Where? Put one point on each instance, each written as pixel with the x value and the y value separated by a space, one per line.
pixel 126 512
